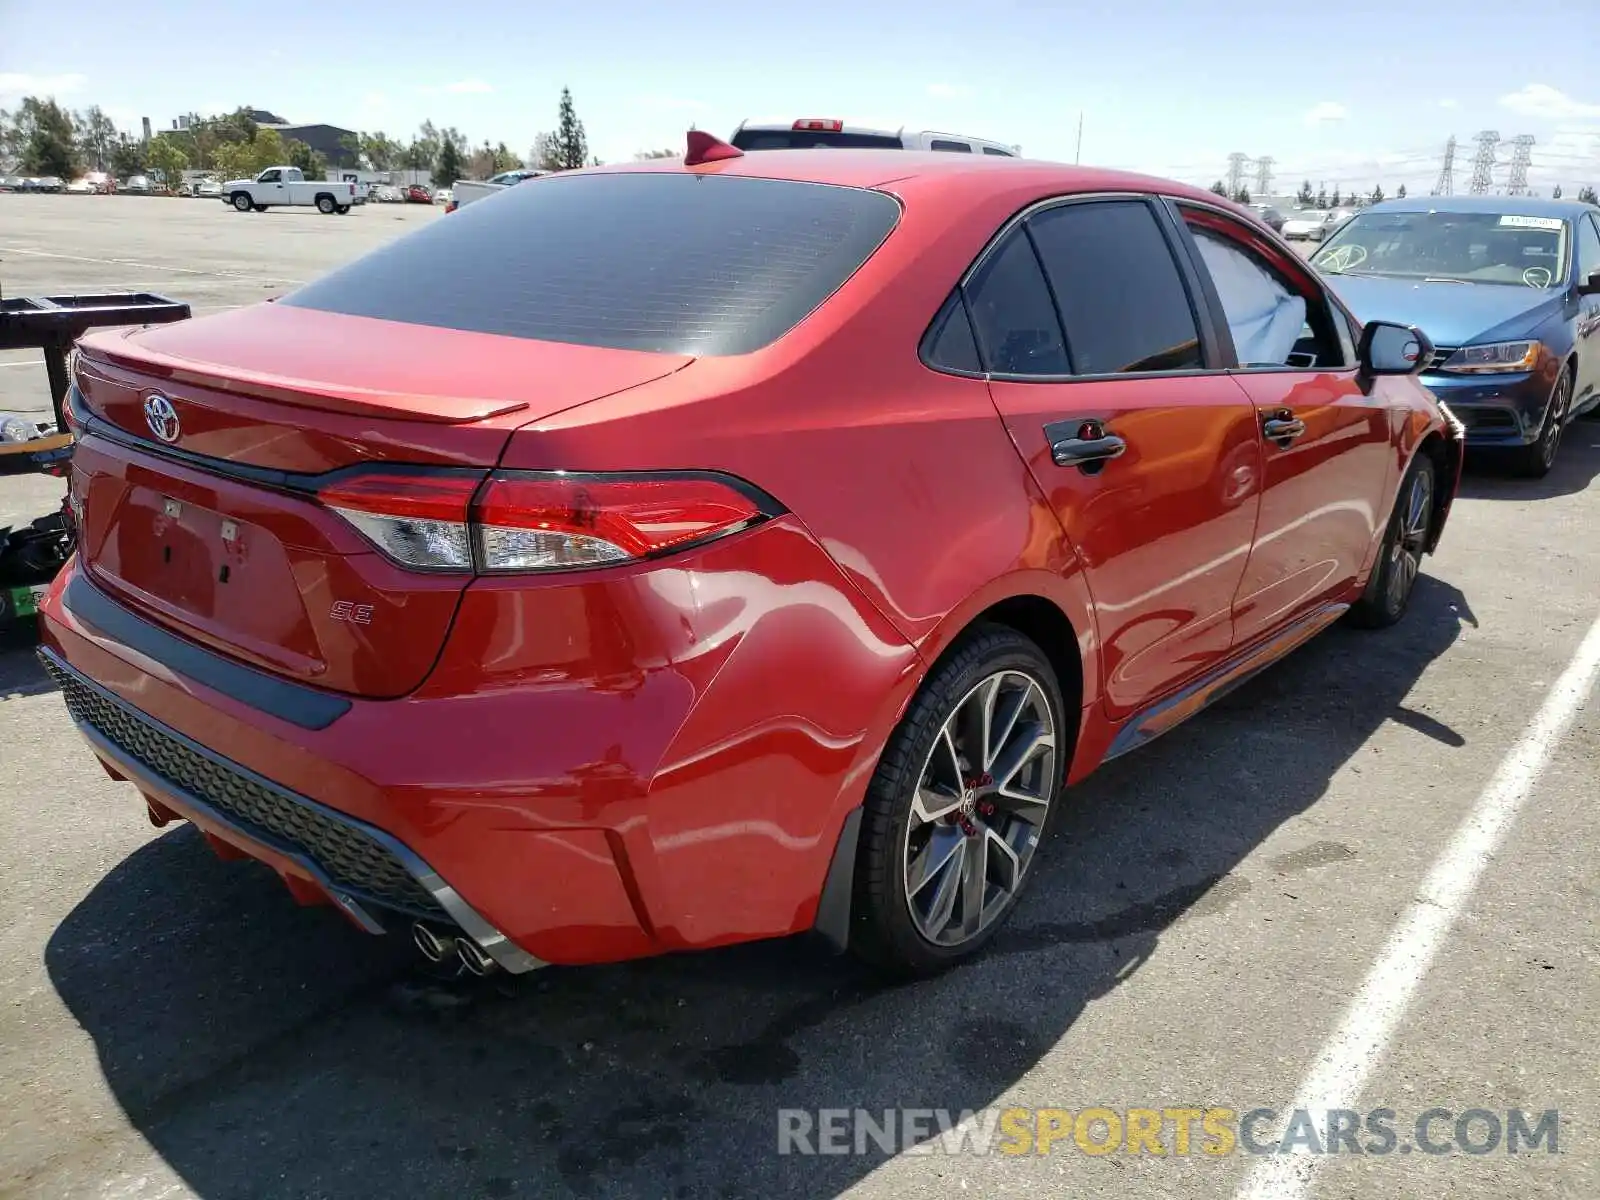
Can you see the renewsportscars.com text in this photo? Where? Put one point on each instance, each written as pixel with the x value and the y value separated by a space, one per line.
pixel 1167 1131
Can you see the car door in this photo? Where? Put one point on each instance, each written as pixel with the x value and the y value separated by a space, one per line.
pixel 1326 436
pixel 1101 369
pixel 1588 325
pixel 271 188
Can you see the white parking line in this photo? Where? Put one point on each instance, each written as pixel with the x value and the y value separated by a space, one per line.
pixel 144 266
pixel 27 362
pixel 1363 1036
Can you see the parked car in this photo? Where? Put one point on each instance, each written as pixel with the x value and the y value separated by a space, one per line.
pixel 834 134
pixel 287 186
pixel 10 183
pixel 48 183
pixel 80 187
pixel 418 194
pixel 1305 225
pixel 443 196
pixel 1270 215
pixel 137 185
pixel 574 597
pixel 468 190
pixel 384 193
pixel 208 189
pixel 1508 288
pixel 102 182
pixel 1337 219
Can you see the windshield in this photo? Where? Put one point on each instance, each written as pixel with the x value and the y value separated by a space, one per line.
pixel 1501 248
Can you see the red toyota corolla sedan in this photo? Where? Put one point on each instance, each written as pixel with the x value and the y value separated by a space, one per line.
pixel 673 555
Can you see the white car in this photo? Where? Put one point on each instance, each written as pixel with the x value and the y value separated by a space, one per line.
pixel 209 189
pixel 80 187
pixel 830 132
pixel 138 185
pixel 1307 224
pixel 466 191
pixel 283 186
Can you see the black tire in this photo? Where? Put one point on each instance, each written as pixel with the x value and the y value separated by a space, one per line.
pixel 1394 576
pixel 1534 461
pixel 241 201
pixel 326 206
pixel 343 209
pixel 884 930
pixel 259 208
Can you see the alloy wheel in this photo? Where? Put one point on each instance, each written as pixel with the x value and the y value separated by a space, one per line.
pixel 980 807
pixel 1409 547
pixel 1550 437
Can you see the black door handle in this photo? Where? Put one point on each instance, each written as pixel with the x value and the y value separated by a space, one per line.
pixel 1083 444
pixel 1282 427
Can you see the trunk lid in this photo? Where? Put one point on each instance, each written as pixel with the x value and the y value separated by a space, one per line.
pixel 204 443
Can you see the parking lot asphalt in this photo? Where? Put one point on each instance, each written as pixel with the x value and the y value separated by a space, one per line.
pixel 174 1026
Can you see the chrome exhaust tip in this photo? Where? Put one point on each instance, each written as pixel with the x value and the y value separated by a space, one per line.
pixel 435 947
pixel 474 957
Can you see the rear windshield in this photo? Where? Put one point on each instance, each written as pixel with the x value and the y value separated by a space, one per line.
pixel 809 139
pixel 675 263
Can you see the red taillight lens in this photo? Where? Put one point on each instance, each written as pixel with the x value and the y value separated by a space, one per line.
pixel 819 125
pixel 419 519
pixel 537 521
pixel 559 522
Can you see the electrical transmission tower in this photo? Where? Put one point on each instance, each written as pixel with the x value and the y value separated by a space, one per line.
pixel 1483 162
pixel 1446 182
pixel 1521 159
pixel 1236 162
pixel 1264 176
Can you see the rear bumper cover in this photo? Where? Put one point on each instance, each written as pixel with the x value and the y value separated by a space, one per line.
pixel 291 833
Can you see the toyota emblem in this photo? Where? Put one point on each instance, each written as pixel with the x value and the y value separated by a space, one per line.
pixel 162 418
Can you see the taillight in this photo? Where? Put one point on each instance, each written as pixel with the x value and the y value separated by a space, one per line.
pixel 818 125
pixel 524 521
pixel 419 519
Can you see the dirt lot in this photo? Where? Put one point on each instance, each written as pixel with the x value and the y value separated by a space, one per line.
pixel 175 1026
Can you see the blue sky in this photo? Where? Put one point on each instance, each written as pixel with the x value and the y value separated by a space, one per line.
pixel 1350 93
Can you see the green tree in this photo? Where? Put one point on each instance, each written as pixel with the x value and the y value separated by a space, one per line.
pixel 234 160
pixel 268 150
pixel 97 137
pixel 1338 200
pixel 1555 192
pixel 167 159
pixel 1304 196
pixel 543 155
pixel 1400 194
pixel 1377 194
pixel 1242 195
pixel 127 157
pixel 647 155
pixel 447 168
pixel 375 151
pixel 1220 188
pixel 1587 195
pixel 570 147
pixel 1322 197
pixel 313 164
pixel 45 136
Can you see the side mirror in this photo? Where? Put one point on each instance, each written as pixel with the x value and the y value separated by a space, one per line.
pixel 1390 349
pixel 1591 285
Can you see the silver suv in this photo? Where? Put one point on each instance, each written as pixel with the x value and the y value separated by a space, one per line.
pixel 810 132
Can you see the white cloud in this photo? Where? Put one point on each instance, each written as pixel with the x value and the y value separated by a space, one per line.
pixel 949 91
pixel 1325 112
pixel 1449 104
pixel 1542 100
pixel 14 84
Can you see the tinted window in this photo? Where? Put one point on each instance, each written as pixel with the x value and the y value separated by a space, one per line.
pixel 683 264
pixel 950 344
pixel 1122 300
pixel 1588 247
pixel 1001 153
pixel 946 144
pixel 802 139
pixel 1015 322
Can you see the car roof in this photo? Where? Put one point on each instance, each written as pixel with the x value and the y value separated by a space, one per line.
pixel 878 168
pixel 1528 206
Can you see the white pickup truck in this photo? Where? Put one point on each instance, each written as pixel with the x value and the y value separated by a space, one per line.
pixel 465 191
pixel 287 185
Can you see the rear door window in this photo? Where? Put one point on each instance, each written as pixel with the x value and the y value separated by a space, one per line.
pixel 1122 299
pixel 1015 322
pixel 667 262
pixel 805 139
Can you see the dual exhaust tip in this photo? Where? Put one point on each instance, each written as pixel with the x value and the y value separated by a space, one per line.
pixel 437 947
